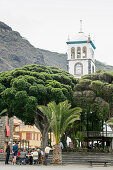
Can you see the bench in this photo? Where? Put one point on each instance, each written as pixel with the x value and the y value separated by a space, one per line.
pixel 105 162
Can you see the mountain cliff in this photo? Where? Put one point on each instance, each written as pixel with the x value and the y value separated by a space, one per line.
pixel 16 51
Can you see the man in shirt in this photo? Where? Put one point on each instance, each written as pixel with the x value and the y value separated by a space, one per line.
pixel 61 145
pixel 7 153
pixel 46 154
pixel 15 152
pixel 23 154
pixel 35 156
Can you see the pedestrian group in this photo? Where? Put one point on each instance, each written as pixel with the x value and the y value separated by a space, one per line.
pixel 23 157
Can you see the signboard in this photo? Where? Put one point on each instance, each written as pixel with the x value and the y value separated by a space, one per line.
pixel 7 130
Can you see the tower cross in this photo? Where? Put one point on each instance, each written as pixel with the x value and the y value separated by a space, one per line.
pixel 80 26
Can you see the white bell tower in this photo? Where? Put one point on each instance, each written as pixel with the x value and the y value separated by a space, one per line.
pixel 80 55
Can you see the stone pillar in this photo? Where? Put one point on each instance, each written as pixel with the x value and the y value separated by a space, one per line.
pixel 3 138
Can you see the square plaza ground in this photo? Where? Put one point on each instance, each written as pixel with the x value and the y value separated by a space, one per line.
pixel 53 167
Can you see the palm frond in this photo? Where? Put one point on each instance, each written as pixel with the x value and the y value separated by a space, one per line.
pixel 3 112
pixel 60 116
pixel 110 121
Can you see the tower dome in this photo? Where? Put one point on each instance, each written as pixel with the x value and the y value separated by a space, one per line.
pixel 80 36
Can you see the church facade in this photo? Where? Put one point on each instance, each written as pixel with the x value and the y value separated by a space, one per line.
pixel 80 55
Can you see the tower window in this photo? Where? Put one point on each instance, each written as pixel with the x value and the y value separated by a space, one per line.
pixel 92 69
pixel 78 70
pixel 92 54
pixel 84 52
pixel 72 53
pixel 78 52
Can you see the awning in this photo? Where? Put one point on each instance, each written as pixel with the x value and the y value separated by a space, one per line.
pixel 7 130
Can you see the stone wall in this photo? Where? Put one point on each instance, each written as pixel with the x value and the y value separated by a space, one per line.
pixel 3 138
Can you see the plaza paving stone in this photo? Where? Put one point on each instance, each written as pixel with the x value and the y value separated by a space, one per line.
pixel 52 167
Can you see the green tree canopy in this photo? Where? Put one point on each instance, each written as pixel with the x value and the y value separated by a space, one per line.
pixel 23 89
pixel 94 94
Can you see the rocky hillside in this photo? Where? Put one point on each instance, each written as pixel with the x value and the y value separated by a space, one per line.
pixel 102 66
pixel 55 59
pixel 16 51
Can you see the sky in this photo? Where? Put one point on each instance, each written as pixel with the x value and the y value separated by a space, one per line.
pixel 47 23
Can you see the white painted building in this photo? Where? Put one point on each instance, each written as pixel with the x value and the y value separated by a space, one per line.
pixel 80 55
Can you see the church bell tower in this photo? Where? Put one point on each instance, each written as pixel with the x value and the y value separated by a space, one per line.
pixel 80 55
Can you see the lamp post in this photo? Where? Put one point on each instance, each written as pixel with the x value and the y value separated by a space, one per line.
pixel 50 137
pixel 87 125
pixel 1 123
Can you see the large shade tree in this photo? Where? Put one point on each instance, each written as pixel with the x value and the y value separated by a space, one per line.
pixel 94 94
pixel 59 117
pixel 100 83
pixel 23 89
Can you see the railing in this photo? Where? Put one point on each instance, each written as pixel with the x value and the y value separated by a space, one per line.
pixel 97 134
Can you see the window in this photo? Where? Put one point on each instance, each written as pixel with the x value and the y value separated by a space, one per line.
pixel 78 69
pixel 84 52
pixel 34 136
pixel 28 136
pixel 92 69
pixel 72 53
pixel 37 137
pixel 92 54
pixel 20 135
pixel 78 52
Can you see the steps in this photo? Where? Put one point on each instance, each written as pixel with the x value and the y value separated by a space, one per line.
pixel 77 157
pixel 82 158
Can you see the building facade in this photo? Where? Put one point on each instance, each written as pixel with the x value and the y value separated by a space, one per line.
pixel 28 136
pixel 80 55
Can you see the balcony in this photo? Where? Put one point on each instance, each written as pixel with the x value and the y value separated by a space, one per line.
pixel 107 134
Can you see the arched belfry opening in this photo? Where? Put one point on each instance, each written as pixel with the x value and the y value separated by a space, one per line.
pixel 78 69
pixel 84 52
pixel 72 53
pixel 78 52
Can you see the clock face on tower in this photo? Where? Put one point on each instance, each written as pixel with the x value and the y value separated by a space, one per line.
pixel 78 69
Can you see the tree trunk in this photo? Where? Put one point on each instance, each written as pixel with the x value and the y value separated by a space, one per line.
pixel 57 154
pixel 44 137
pixel 43 125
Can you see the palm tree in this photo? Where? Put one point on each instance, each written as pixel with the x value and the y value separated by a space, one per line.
pixel 59 117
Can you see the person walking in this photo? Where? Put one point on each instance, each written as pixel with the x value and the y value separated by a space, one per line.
pixel 46 154
pixel 15 152
pixel 7 153
pixel 61 145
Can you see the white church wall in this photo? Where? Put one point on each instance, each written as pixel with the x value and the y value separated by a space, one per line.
pixel 84 62
pixel 72 63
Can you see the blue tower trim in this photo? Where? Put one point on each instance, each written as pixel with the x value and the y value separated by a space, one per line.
pixel 80 42
pixel 92 45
